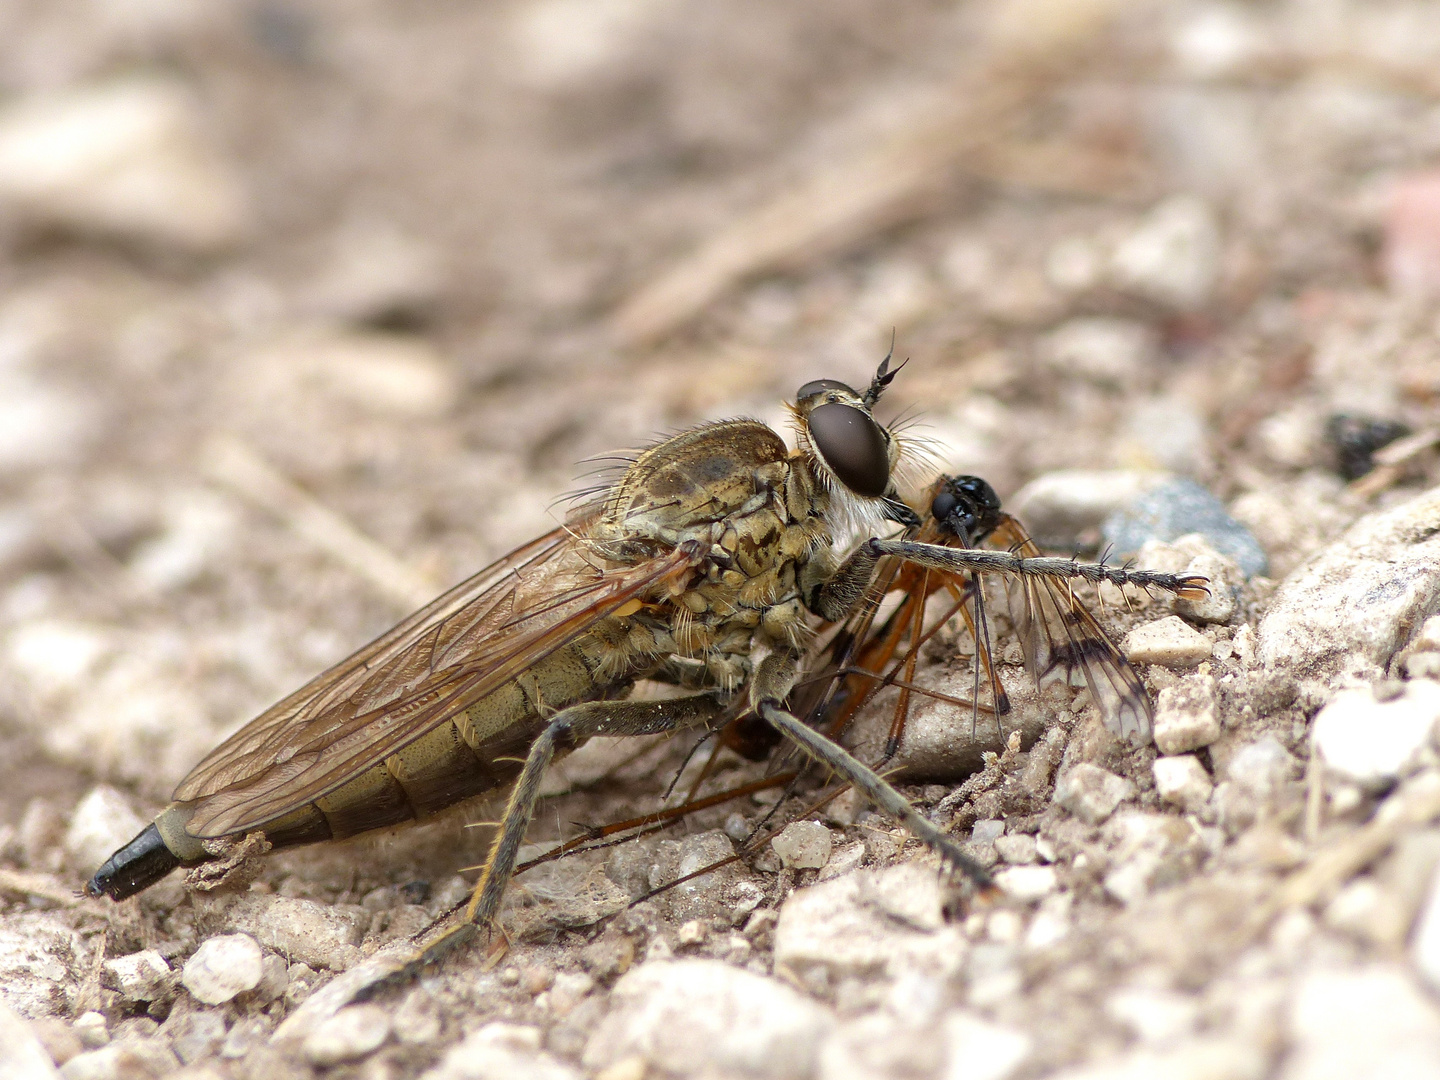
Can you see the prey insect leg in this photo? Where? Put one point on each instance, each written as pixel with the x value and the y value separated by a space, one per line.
pixel 569 726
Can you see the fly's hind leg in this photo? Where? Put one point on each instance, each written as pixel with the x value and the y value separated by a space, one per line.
pixel 568 727
pixel 769 687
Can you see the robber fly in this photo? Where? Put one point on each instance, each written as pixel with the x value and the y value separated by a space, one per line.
pixel 702 566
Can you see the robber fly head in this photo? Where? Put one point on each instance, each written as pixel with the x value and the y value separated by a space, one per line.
pixel 966 506
pixel 854 455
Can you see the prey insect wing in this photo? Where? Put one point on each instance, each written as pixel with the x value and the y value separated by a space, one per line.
pixel 433 666
pixel 1059 637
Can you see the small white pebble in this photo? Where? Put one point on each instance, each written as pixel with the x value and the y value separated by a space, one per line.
pixel 223 967
pixel 691 933
pixel 1369 741
pixel 803 845
pixel 1027 883
pixel 1169 642
pixel 349 1035
pixel 1182 781
pixel 92 1030
pixel 1019 849
pixel 1091 793
pixel 1186 716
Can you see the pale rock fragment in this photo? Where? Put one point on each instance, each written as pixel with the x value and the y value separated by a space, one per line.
pixel 1215 1057
pixel 140 976
pixel 122 1060
pixel 1371 1021
pixel 223 967
pixel 1151 851
pixel 1058 506
pixel 23 1055
pixel 1225 580
pixel 1169 642
pixel 1187 715
pixel 194 1035
pixel 844 859
pixel 41 961
pixel 1425 949
pixel 690 1016
pixel 501 1050
pixel 1155 1015
pixel 910 893
pixel 1182 781
pixel 1173 255
pixel 840 927
pixel 1017 849
pixel 349 1035
pixel 977 1049
pixel 126 159
pixel 321 935
pixel 1092 793
pixel 1338 620
pixel 1104 350
pixel 1027 884
pixel 1368 741
pixel 1262 768
pixel 92 1029
pixel 102 822
pixel 803 845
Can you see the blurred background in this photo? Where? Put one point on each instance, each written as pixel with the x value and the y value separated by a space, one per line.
pixel 309 308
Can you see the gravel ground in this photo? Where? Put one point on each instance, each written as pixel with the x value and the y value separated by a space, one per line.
pixel 308 309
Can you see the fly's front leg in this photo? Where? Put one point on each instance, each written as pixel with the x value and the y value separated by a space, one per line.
pixel 772 681
pixel 568 727
pixel 959 560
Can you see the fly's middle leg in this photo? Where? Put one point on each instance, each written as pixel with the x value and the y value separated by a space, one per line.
pixel 569 726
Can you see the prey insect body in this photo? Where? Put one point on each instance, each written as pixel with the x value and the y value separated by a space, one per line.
pixel 705 565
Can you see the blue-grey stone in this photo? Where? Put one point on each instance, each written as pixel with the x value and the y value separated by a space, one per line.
pixel 1178 507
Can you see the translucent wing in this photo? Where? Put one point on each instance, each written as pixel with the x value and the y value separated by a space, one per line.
pixel 1059 636
pixel 435 664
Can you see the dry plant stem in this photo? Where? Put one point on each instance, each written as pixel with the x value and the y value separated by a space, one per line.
pixel 236 465
pixel 1031 45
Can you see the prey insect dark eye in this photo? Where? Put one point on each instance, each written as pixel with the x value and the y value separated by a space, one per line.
pixel 966 506
pixel 852 445
pixel 816 386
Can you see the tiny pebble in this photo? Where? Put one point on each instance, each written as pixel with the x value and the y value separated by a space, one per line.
pixel 1169 642
pixel 1369 741
pixel 349 1035
pixel 1018 849
pixel 1186 716
pixel 1091 793
pixel 1182 781
pixel 803 845
pixel 1027 883
pixel 987 830
pixel 92 1030
pixel 140 976
pixel 223 967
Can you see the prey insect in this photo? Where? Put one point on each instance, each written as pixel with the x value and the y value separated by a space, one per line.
pixel 703 566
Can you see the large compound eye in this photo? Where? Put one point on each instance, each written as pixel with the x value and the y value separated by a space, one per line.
pixel 853 446
pixel 816 386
